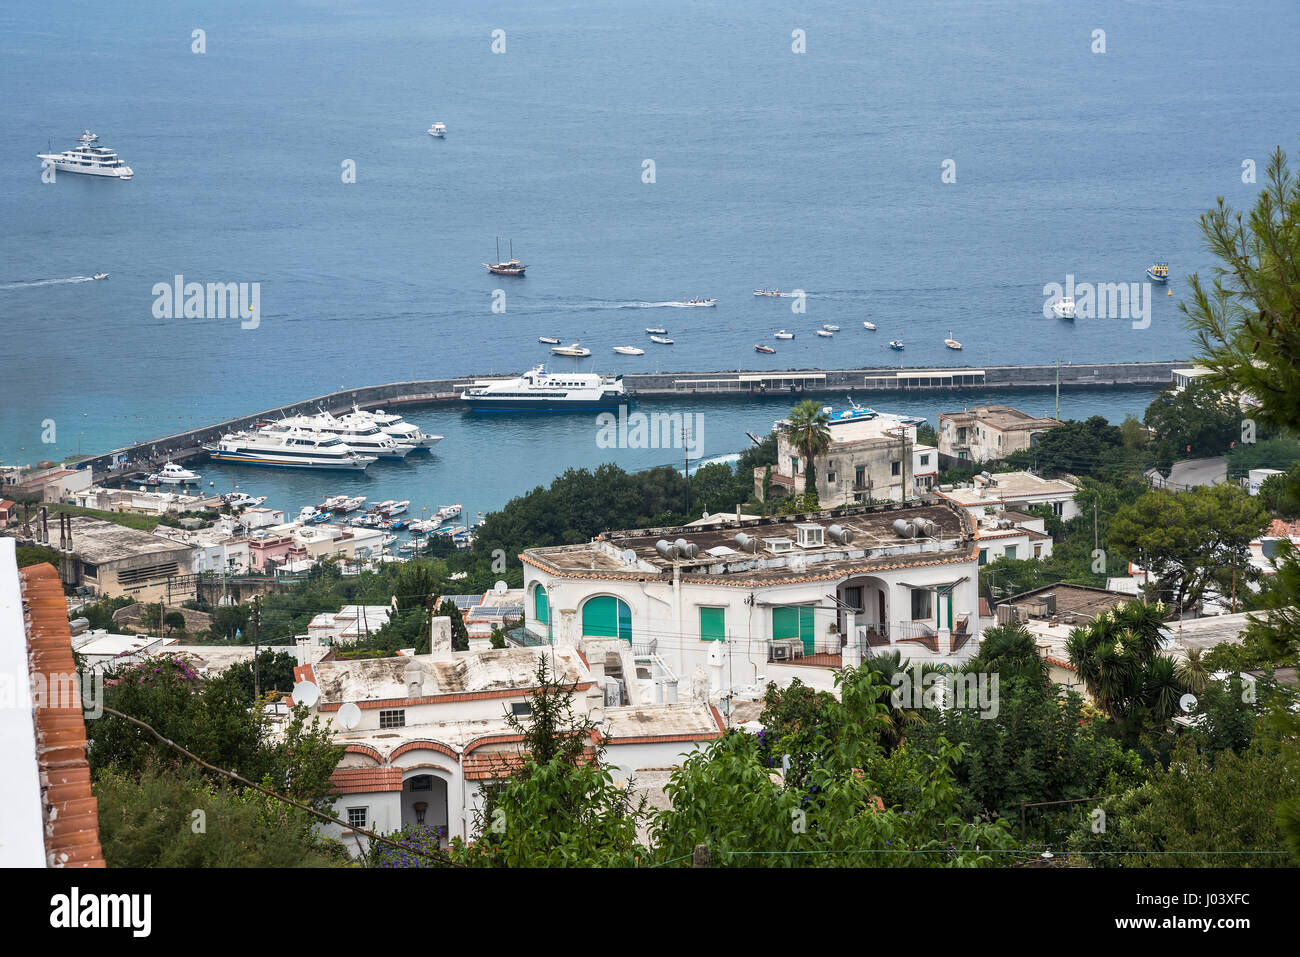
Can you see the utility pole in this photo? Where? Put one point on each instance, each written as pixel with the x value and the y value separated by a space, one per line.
pixel 257 635
pixel 1058 390
pixel 1094 526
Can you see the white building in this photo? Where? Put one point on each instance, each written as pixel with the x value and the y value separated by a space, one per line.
pixel 989 432
pixel 988 494
pixel 427 731
pixel 1014 535
pixel 348 625
pixel 732 605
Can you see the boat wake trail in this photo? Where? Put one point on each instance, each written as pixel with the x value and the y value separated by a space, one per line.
pixel 621 304
pixel 45 282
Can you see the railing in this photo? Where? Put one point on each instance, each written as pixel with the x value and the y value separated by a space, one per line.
pixel 919 631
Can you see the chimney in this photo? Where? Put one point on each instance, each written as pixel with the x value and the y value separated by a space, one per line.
pixel 440 640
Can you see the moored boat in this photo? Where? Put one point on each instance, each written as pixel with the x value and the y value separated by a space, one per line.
pixel 662 340
pixel 763 348
pixel 572 351
pixel 629 351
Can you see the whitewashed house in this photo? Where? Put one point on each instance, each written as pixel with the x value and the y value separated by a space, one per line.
pixel 424 733
pixel 733 605
pixel 990 493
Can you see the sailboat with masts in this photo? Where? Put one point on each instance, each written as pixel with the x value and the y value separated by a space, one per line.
pixel 510 267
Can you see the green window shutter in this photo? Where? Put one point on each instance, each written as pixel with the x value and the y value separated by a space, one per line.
pixel 984 556
pixel 713 624
pixel 624 621
pixel 600 618
pixel 541 606
pixel 806 633
pixel 785 622
pixel 1011 552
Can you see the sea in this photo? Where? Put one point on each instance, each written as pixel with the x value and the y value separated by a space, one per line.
pixel 928 166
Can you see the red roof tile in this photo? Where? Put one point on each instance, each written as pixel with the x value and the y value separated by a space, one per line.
pixel 366 780
pixel 71 811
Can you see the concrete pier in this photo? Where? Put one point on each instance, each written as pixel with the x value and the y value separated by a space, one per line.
pixel 647 386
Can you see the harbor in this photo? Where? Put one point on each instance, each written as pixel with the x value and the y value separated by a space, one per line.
pixel 884 384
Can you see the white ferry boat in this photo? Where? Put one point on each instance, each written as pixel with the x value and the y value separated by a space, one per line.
pixel 288 449
pixel 368 439
pixel 88 159
pixel 540 391
pixel 697 302
pixel 391 423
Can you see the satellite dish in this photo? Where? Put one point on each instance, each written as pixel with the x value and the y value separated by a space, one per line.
pixel 629 556
pixel 500 588
pixel 305 693
pixel 349 716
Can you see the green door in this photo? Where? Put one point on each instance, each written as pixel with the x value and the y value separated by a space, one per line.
pixel 794 621
pixel 542 608
pixel 606 617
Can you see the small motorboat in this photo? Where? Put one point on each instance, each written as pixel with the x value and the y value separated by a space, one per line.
pixel 896 345
pixel 549 340
pixel 438 129
pixel 396 508
pixel 308 513
pixel 1158 272
pixel 448 512
pixel 173 474
pixel 950 342
pixel 1063 308
pixel 762 348
pixel 825 333
pixel 662 340
pixel 868 324
pixel 784 335
pixel 629 351
pixel 830 327
pixel 698 302
pixel 100 275
pixel 573 351
pixel 656 331
pixel 776 293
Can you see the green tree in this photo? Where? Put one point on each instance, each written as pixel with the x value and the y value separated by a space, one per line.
pixel 1011 651
pixel 1183 539
pixel 1200 417
pixel 810 434
pixel 174 621
pixel 459 633
pixel 151 821
pixel 1117 657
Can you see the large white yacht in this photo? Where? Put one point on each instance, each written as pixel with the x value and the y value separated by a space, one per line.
pixel 392 423
pixel 89 159
pixel 287 448
pixel 540 391
pixel 368 439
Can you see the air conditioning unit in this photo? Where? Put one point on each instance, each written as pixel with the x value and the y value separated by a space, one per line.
pixel 1050 601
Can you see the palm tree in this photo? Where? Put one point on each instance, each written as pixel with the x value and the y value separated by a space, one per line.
pixel 810 434
pixel 1011 651
pixel 1117 658
pixel 1192 672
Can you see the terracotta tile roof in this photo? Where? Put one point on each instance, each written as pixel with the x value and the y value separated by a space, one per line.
pixel 366 780
pixel 1280 529
pixel 71 811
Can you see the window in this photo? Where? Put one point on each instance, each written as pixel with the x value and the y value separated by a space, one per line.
pixel 542 607
pixel 921 604
pixel 794 466
pixel 521 709
pixel 895 468
pixel 1038 551
pixel 423 782
pixel 1058 509
pixel 357 816
pixel 925 459
pixel 1011 552
pixel 794 621
pixel 860 476
pixel 713 624
pixel 606 617
pixel 984 556
pixel 830 478
pixel 393 719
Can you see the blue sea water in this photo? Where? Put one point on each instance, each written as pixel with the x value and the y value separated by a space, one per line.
pixel 819 171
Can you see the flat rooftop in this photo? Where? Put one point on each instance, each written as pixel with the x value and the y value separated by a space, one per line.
pixel 1008 486
pixel 97 541
pixel 1001 417
pixel 685 720
pixel 497 669
pixel 633 554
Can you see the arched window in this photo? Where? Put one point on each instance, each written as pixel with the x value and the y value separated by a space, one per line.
pixel 606 617
pixel 542 609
